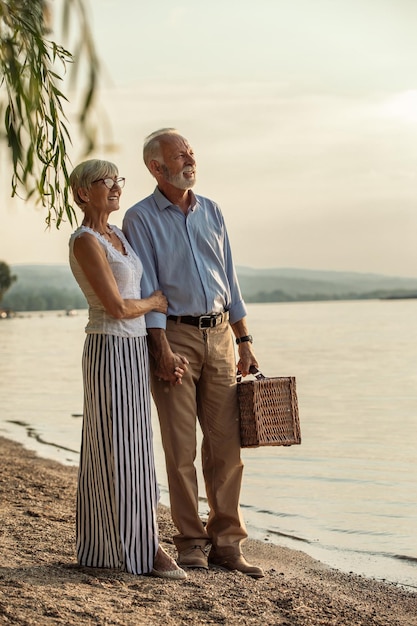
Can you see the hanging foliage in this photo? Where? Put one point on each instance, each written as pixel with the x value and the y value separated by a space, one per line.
pixel 32 103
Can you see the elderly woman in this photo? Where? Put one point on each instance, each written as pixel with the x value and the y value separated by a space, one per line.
pixel 117 492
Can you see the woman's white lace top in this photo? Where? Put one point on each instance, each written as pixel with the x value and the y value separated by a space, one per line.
pixel 127 270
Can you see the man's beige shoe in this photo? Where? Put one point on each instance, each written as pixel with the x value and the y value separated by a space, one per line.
pixel 193 557
pixel 235 562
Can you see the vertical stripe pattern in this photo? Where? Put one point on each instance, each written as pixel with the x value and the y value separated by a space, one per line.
pixel 117 491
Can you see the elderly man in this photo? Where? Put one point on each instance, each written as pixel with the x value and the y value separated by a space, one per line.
pixel 182 241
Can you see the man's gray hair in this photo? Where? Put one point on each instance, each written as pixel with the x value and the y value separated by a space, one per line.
pixel 152 146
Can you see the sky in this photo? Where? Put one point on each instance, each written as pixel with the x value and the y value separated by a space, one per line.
pixel 302 115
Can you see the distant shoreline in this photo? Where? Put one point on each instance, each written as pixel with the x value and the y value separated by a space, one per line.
pixel 52 287
pixel 411 296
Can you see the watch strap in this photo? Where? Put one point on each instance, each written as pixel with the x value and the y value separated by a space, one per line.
pixel 244 339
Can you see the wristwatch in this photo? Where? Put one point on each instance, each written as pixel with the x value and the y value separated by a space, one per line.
pixel 243 339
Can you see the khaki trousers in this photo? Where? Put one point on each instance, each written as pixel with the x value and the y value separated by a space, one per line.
pixel 207 393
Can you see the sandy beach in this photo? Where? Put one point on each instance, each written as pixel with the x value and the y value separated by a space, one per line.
pixel 41 583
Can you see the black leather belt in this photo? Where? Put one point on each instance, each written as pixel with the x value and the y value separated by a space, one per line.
pixel 202 321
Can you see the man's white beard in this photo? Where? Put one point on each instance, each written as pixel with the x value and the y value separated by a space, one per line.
pixel 178 180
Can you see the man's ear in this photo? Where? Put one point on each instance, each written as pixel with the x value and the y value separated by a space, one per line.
pixel 154 168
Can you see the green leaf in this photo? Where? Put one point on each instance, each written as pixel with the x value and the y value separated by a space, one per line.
pixel 32 101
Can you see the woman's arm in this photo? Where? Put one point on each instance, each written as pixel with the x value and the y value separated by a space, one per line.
pixel 92 260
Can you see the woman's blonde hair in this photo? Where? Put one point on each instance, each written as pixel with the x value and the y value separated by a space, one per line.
pixel 85 173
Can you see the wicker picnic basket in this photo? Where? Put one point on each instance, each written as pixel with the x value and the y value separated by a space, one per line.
pixel 268 412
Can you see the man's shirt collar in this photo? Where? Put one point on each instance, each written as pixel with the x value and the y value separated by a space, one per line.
pixel 163 203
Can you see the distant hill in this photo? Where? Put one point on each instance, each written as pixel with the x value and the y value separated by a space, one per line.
pixel 42 288
pixel 43 276
pixel 53 286
pixel 300 284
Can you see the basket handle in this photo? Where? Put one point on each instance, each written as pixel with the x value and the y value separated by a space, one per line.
pixel 252 370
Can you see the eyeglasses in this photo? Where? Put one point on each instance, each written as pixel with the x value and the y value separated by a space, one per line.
pixel 111 182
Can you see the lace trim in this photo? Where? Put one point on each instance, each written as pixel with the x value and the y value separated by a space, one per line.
pixel 130 255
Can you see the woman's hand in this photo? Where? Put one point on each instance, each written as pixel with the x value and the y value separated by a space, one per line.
pixel 179 370
pixel 159 302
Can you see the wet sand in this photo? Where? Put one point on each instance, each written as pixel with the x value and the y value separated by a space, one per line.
pixel 41 583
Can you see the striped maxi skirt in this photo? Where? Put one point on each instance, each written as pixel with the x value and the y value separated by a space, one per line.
pixel 117 493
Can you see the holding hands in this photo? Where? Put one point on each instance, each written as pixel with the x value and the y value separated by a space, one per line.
pixel 172 368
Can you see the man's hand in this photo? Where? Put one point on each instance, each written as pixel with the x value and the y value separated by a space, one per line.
pixel 171 368
pixel 247 358
pixel 246 355
pixel 168 365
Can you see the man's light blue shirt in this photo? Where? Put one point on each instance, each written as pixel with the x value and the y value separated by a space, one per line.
pixel 188 257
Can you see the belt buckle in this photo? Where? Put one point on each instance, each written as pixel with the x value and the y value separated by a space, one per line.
pixel 205 321
pixel 212 320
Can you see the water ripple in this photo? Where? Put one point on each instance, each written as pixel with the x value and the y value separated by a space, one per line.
pixel 34 434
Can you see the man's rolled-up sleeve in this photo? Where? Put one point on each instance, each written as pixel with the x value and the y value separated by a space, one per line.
pixel 137 235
